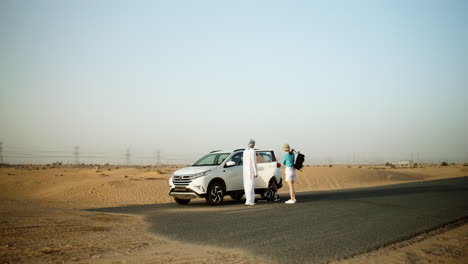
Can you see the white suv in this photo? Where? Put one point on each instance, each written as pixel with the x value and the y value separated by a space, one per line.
pixel 219 173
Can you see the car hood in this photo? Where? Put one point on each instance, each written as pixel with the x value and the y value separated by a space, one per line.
pixel 193 170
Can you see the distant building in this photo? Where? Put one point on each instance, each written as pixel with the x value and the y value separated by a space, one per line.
pixel 405 163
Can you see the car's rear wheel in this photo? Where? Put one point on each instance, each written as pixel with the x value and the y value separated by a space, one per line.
pixel 237 196
pixel 215 194
pixel 182 201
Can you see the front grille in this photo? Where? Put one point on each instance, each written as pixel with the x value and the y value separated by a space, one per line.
pixel 181 180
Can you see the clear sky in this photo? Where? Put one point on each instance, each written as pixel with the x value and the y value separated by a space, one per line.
pixel 342 81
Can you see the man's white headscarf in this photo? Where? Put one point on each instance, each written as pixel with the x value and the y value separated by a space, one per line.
pixel 251 143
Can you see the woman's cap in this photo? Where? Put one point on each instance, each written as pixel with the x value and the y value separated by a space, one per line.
pixel 286 147
pixel 251 143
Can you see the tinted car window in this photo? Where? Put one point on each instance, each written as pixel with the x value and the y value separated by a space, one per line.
pixel 237 158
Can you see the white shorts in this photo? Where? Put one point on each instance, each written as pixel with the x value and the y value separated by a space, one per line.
pixel 290 174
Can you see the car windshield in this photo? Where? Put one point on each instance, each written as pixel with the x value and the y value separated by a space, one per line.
pixel 212 159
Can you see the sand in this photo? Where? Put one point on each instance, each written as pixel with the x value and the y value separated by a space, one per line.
pixel 42 220
pixel 448 246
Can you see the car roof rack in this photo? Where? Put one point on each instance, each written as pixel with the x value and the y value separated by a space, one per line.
pixel 215 151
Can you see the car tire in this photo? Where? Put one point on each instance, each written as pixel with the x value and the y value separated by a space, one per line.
pixel 237 196
pixel 182 201
pixel 215 194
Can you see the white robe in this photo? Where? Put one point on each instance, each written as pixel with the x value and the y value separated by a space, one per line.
pixel 250 171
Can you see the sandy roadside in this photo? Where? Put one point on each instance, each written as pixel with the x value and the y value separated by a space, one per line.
pixel 448 245
pixel 35 234
pixel 42 221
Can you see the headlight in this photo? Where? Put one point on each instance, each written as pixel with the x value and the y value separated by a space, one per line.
pixel 200 174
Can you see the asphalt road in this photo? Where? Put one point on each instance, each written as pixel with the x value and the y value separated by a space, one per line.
pixel 321 227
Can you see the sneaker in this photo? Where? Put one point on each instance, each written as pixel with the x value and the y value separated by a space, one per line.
pixel 290 201
pixel 249 204
pixel 277 198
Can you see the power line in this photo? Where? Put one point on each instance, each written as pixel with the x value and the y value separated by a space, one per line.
pixel 76 156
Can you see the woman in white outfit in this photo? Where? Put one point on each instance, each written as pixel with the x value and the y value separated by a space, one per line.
pixel 249 159
pixel 290 171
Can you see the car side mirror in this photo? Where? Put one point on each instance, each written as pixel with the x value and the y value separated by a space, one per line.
pixel 230 163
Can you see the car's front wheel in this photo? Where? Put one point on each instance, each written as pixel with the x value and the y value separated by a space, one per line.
pixel 215 194
pixel 182 201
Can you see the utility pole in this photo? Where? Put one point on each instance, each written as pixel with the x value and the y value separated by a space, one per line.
pixel 76 154
pixel 158 157
pixel 1 152
pixel 127 156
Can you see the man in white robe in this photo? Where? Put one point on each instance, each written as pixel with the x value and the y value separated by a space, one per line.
pixel 250 172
